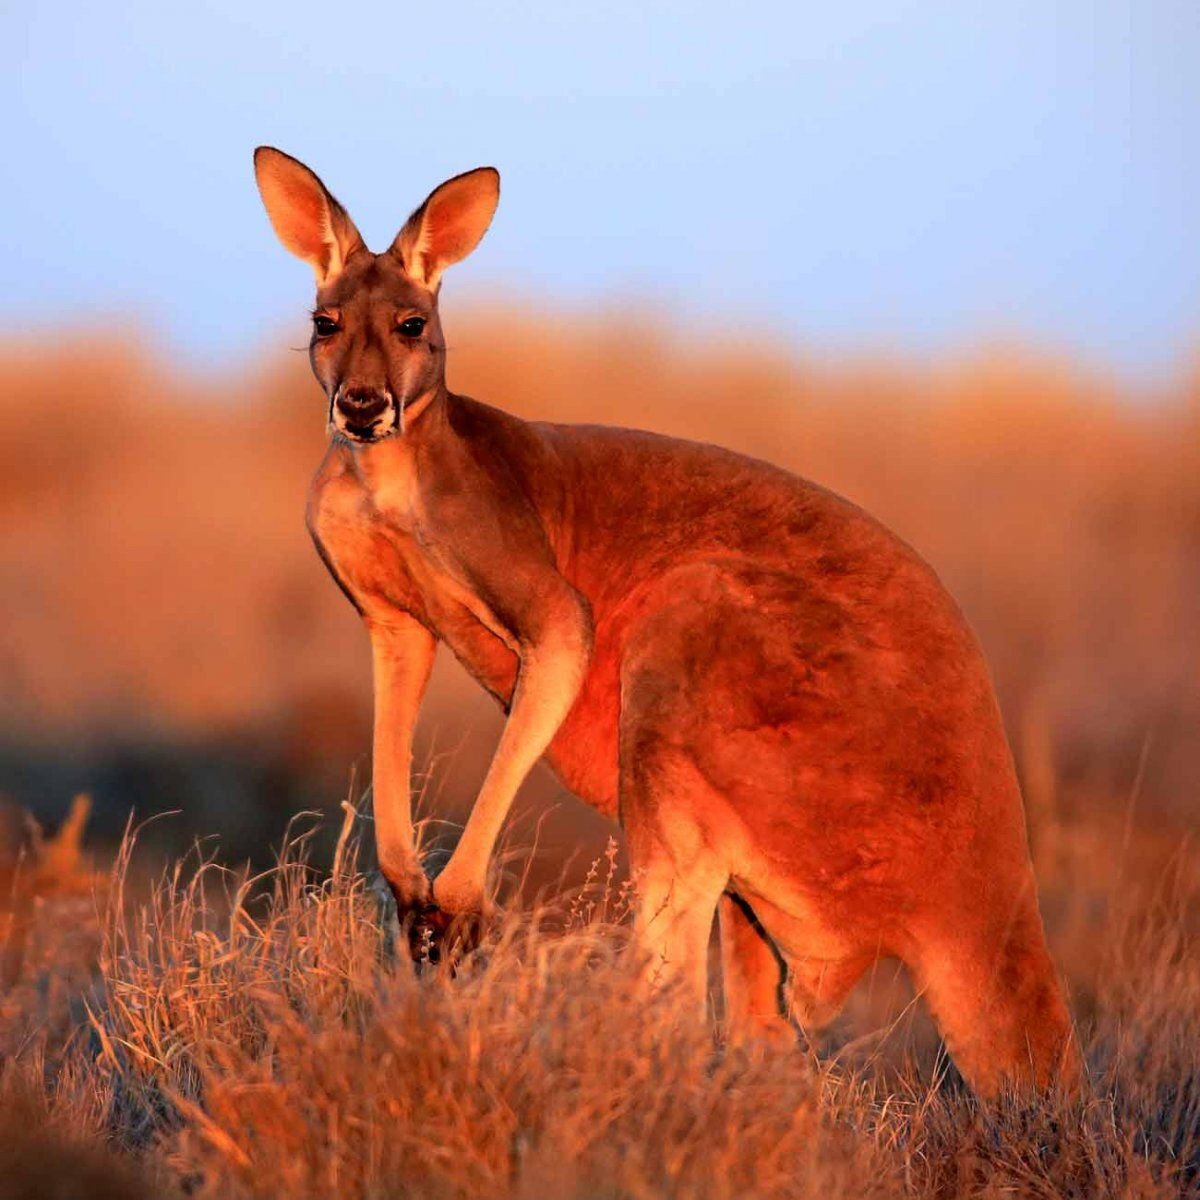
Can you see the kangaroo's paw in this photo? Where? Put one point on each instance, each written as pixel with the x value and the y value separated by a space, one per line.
pixel 436 936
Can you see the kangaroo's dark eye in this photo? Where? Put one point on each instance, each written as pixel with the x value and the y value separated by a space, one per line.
pixel 412 326
pixel 324 327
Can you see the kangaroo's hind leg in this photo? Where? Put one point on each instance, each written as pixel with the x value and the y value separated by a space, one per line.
pixel 678 873
pixel 678 693
pixel 752 977
pixel 679 882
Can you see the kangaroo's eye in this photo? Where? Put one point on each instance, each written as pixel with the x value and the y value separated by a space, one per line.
pixel 412 326
pixel 324 326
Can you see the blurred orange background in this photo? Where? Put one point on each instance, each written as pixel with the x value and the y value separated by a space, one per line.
pixel 171 640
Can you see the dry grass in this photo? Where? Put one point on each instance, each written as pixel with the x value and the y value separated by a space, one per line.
pixel 257 1037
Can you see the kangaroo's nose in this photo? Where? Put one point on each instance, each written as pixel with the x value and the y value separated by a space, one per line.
pixel 361 404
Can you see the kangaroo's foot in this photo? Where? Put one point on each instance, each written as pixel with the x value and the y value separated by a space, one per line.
pixel 997 1001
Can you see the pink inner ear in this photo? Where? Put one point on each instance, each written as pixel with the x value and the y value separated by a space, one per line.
pixel 300 214
pixel 448 223
pixel 309 223
pixel 448 226
pixel 455 222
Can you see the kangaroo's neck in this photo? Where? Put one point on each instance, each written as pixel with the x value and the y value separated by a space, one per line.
pixel 443 434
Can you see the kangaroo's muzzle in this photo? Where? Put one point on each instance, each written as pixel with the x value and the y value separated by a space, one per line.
pixel 363 414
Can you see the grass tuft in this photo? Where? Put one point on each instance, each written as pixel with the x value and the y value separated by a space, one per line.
pixel 259 1036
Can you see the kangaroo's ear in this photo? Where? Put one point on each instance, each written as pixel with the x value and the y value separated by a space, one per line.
pixel 307 219
pixel 448 226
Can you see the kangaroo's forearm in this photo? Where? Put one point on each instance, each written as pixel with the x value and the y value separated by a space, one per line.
pixel 548 683
pixel 402 657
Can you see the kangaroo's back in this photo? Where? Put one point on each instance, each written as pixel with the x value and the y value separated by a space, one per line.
pixel 648 501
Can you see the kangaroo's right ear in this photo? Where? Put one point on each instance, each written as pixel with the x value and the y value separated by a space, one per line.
pixel 448 226
pixel 308 220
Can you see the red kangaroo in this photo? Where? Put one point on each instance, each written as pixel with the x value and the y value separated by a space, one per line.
pixel 771 692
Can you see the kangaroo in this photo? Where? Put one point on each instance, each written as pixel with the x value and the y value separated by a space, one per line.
pixel 772 693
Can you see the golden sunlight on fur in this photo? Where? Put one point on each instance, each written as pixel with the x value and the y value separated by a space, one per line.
pixel 773 694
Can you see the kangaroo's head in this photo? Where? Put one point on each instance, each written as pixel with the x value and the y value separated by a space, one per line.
pixel 377 345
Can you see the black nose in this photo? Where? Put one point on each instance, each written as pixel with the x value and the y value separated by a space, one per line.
pixel 361 404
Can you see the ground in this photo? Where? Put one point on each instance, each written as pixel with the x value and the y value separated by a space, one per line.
pixel 221 1036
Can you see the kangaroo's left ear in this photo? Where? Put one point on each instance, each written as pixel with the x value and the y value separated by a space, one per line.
pixel 448 226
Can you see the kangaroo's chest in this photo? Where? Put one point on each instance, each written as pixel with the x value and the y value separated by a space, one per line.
pixel 374 545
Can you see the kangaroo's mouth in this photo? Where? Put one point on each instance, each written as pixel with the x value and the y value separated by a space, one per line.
pixel 365 428
pixel 371 432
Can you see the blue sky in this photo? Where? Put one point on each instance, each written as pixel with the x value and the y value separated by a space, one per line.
pixel 916 177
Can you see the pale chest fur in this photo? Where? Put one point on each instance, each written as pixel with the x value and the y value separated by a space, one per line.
pixel 367 557
pixel 374 536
